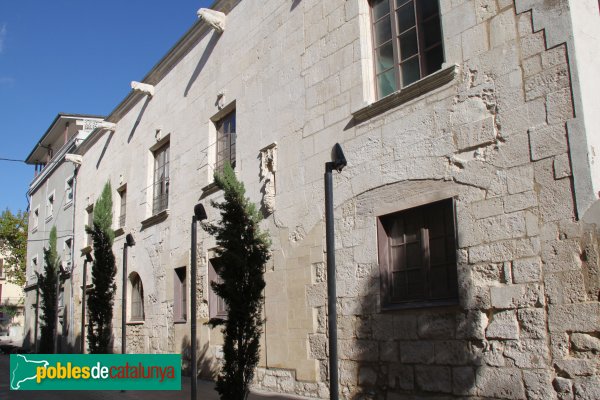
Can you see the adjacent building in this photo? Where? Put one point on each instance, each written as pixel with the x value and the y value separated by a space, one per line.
pixel 11 295
pixel 51 198
pixel 466 239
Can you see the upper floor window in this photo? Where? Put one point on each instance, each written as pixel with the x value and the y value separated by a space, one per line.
pixel 50 206
pixel 137 298
pixel 161 180
pixel 417 254
pixel 67 250
pixel 123 212
pixel 407 40
pixel 226 139
pixel 90 223
pixel 36 218
pixel 69 189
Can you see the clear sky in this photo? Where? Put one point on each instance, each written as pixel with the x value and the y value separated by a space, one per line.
pixel 73 56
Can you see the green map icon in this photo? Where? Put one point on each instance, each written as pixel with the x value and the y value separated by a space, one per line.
pixel 23 369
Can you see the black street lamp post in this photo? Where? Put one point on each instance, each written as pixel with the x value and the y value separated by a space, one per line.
pixel 199 215
pixel 338 163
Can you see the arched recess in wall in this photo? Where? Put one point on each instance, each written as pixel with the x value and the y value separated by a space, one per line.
pixel 136 303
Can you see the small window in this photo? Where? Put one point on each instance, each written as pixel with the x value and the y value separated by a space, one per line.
pixel 90 223
pixel 123 213
pixel 67 250
pixel 161 180
pixel 216 304
pixel 69 189
pixel 50 206
pixel 137 298
pixel 407 42
pixel 417 254
pixel 226 138
pixel 36 218
pixel 180 295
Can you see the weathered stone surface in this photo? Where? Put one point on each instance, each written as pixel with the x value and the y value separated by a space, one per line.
pixel 573 367
pixel 528 353
pixel 562 166
pixel 532 323
pixel 472 325
pixel 547 141
pixel 538 384
pixel 565 287
pixel 433 378
pixel 463 381
pixel 503 325
pixel 583 342
pixel 488 208
pixel 520 179
pixel 401 376
pixel 587 388
pixel 517 296
pixel 367 376
pixel 436 326
pixel 574 317
pixel 505 383
pixel 526 270
pixel 417 352
pixel 451 353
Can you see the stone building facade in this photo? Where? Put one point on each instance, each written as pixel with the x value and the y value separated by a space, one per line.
pixel 466 245
pixel 52 202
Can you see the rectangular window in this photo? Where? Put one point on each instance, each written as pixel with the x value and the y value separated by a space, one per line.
pixel 161 180
pixel 137 298
pixel 50 206
pixel 407 42
pixel 180 295
pixel 69 189
pixel 216 304
pixel 123 213
pixel 90 223
pixel 36 218
pixel 226 138
pixel 417 254
pixel 67 251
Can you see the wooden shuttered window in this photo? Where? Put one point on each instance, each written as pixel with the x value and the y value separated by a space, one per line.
pixel 226 141
pixel 161 180
pixel 216 304
pixel 417 255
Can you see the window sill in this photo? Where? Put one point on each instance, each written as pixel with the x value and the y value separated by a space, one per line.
pixel 416 89
pixel 86 250
pixel 155 219
pixel 48 219
pixel 119 232
pixel 135 323
pixel 209 189
pixel 180 321
pixel 419 304
pixel 69 204
pixel 34 229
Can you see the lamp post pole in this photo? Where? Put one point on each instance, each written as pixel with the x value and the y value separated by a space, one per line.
pixel 199 215
pixel 129 241
pixel 88 258
pixel 338 163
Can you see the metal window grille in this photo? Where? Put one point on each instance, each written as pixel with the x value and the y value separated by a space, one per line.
pixel 226 142
pixel 161 180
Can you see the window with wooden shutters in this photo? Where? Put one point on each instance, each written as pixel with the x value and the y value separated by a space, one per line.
pixel 161 180
pixel 180 295
pixel 226 138
pixel 216 304
pixel 137 298
pixel 407 42
pixel 417 255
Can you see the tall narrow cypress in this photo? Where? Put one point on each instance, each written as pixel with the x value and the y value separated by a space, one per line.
pixel 48 289
pixel 243 252
pixel 101 296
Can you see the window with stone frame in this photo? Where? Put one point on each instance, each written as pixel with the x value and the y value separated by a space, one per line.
pixel 90 224
pixel 137 298
pixel 50 206
pixel 226 140
pixel 216 304
pixel 123 207
pixel 36 218
pixel 407 42
pixel 69 189
pixel 417 256
pixel 180 295
pixel 161 179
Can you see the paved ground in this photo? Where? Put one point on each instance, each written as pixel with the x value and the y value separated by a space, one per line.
pixel 205 391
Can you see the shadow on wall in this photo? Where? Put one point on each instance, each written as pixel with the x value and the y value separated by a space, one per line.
pixel 138 119
pixel 205 367
pixel 203 60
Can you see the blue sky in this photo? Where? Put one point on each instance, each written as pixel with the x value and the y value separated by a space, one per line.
pixel 73 56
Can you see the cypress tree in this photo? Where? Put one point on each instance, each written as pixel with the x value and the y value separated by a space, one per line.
pixel 101 296
pixel 47 286
pixel 243 252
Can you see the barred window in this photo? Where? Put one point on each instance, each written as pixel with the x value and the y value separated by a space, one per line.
pixel 180 295
pixel 226 138
pixel 407 40
pixel 161 179
pixel 417 254
pixel 123 208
